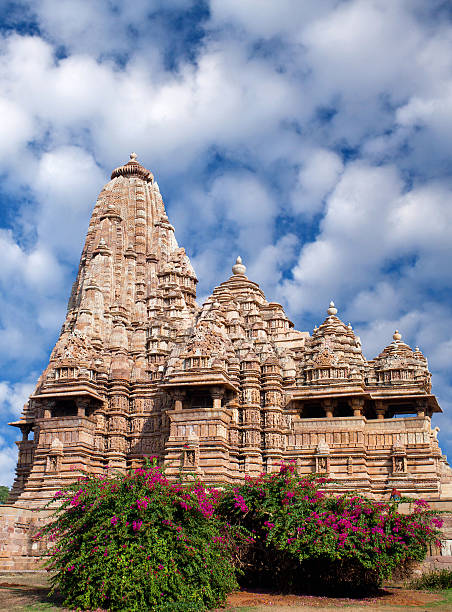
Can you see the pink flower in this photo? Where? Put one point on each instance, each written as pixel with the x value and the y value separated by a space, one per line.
pixel 142 504
pixel 240 503
pixel 71 568
pixel 114 520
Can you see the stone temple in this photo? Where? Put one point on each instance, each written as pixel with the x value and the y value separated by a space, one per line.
pixel 222 390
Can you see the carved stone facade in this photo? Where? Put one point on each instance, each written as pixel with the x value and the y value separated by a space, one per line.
pixel 222 390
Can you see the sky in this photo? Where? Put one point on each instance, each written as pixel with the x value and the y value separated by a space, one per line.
pixel 312 137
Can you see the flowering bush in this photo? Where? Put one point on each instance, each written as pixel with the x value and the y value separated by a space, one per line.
pixel 307 539
pixel 139 542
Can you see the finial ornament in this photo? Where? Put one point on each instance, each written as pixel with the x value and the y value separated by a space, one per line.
pixel 238 268
pixel 397 336
pixel 332 310
pixel 133 169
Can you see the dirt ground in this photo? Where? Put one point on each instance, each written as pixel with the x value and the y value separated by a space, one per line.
pixel 389 599
pixel 29 592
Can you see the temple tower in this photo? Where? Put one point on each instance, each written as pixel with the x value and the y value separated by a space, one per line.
pixel 215 391
pixel 134 294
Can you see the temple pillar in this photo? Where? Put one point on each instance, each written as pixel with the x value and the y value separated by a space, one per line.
pixel 217 395
pixel 380 409
pixel 421 407
pixel 357 405
pixel 273 421
pixel 82 405
pixel 251 429
pixel 178 397
pixel 118 426
pixel 329 406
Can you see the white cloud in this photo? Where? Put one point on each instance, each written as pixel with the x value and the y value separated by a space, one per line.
pixel 67 183
pixel 265 18
pixel 355 221
pixel 318 175
pixel 13 397
pixel 270 263
pixel 8 461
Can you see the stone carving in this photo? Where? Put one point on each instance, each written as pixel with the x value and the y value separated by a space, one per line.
pixel 145 364
pixel 190 458
pixel 399 465
pixel 322 464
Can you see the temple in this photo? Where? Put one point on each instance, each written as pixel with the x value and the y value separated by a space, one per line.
pixel 222 390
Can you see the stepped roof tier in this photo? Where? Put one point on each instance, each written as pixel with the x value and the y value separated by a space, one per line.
pixel 222 390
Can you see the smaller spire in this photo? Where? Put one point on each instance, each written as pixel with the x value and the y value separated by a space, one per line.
pixel 238 268
pixel 133 157
pixel 332 310
pixel 349 326
pixel 397 336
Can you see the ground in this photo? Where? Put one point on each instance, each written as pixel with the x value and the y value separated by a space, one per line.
pixel 28 592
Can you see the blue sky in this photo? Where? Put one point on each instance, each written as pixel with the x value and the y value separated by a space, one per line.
pixel 313 138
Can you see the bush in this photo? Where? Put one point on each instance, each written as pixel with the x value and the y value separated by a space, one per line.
pixel 4 492
pixel 433 581
pixel 303 539
pixel 139 542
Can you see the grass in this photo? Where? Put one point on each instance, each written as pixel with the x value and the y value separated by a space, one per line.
pixel 436 580
pixel 447 594
pixel 38 607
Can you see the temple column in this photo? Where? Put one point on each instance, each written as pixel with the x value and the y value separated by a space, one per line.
pixel 273 424
pixel 329 406
pixel 380 409
pixel 82 405
pixel 118 426
pixel 233 406
pixel 178 397
pixel 217 395
pixel 421 407
pixel 357 405
pixel 251 449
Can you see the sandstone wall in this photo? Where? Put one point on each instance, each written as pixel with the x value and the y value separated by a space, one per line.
pixel 18 551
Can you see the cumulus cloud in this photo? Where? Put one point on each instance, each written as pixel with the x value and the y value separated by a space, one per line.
pixel 8 462
pixel 356 220
pixel 318 175
pixel 13 397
